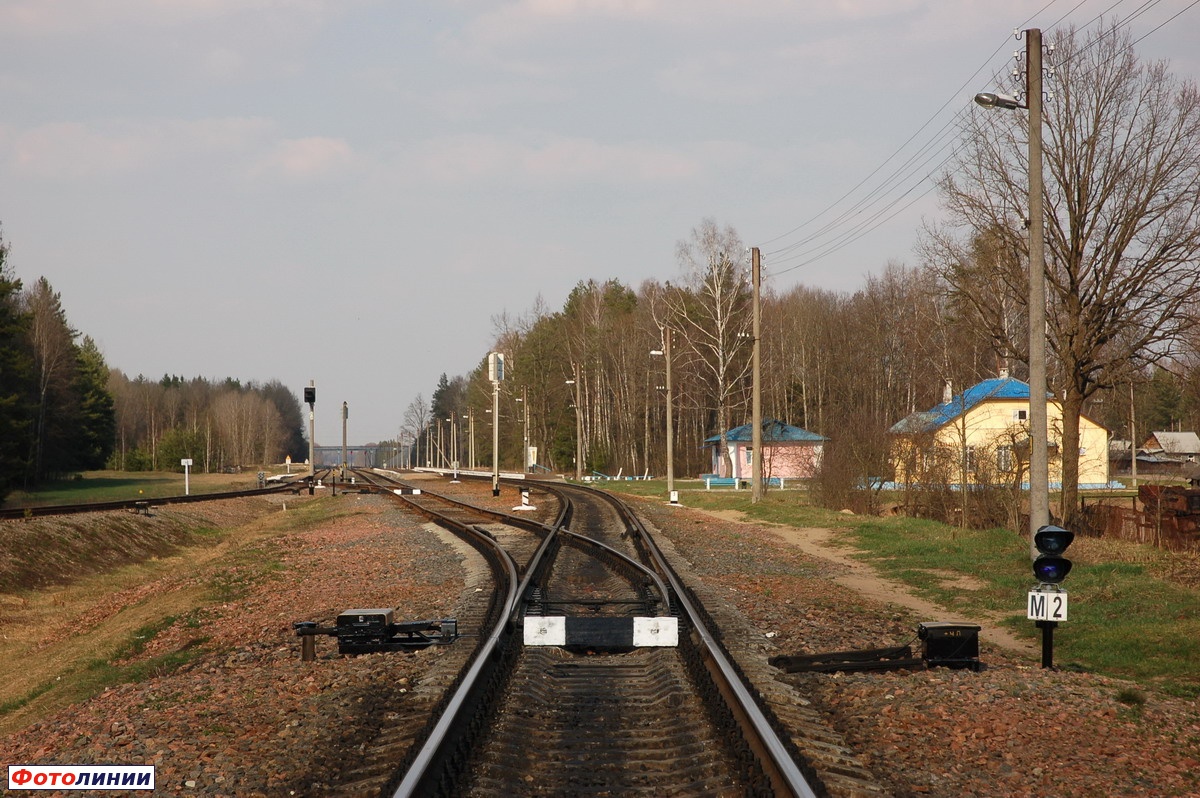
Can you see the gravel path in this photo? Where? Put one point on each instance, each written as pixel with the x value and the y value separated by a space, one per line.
pixel 248 718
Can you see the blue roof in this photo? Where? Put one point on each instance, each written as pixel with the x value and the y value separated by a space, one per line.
pixel 773 431
pixel 929 420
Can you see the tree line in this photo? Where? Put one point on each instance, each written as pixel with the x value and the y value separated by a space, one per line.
pixel 220 426
pixel 56 414
pixel 1122 199
pixel 64 410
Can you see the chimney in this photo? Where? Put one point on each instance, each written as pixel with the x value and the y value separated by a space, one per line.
pixel 1004 374
pixel 947 392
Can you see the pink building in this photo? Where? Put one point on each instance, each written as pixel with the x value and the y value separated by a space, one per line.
pixel 788 452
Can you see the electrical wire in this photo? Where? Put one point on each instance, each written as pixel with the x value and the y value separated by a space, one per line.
pixel 856 208
pixel 1168 20
pixel 893 193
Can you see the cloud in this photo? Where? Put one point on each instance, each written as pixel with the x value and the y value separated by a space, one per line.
pixel 43 18
pixel 307 158
pixel 558 160
pixel 525 19
pixel 73 150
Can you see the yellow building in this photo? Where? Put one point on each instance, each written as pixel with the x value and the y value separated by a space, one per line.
pixel 981 437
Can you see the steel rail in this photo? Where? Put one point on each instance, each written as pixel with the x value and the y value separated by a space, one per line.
pixel 423 768
pixel 785 775
pixel 43 510
pixel 627 561
pixel 520 521
pixel 423 774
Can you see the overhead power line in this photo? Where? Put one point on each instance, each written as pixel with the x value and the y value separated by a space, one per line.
pixel 902 179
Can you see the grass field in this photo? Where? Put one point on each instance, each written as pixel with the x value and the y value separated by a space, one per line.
pixel 1134 610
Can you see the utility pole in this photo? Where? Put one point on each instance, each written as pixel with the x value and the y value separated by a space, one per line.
pixel 525 449
pixel 345 415
pixel 1039 438
pixel 471 433
pixel 1039 465
pixel 496 375
pixel 756 458
pixel 579 427
pixel 1133 444
pixel 671 495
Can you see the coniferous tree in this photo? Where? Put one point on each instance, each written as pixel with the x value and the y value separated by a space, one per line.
pixel 54 358
pixel 16 379
pixel 96 434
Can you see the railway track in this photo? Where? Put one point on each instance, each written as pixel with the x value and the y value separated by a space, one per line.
pixel 145 504
pixel 595 714
pixel 496 712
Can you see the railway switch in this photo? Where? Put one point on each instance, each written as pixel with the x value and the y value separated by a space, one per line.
pixel 367 631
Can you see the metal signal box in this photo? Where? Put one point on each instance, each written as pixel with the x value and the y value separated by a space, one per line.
pixel 950 645
pixel 364 620
pixel 374 630
pixel 362 631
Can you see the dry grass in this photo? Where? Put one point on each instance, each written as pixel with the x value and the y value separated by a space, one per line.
pixel 1183 568
pixel 49 636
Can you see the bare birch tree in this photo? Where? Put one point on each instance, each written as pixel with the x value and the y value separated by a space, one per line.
pixel 712 311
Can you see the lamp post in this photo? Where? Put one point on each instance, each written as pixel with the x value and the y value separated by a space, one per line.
pixel 470 417
pixel 453 445
pixel 1039 467
pixel 578 425
pixel 666 354
pixel 496 375
pixel 756 454
pixel 442 451
pixel 524 400
pixel 345 416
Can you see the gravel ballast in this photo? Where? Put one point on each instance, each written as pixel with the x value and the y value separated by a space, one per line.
pixel 245 716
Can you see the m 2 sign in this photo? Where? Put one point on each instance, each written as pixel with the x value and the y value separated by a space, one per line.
pixel 1047 605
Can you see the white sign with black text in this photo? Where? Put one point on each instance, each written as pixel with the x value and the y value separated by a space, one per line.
pixel 1047 605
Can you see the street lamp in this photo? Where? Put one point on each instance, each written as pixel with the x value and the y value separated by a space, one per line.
pixel 443 444
pixel 578 425
pixel 453 446
pixel 665 352
pixel 345 416
pixel 524 400
pixel 1039 467
pixel 470 417
pixel 496 376
pixel 756 456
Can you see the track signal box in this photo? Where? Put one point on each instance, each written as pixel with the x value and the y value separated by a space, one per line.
pixel 950 645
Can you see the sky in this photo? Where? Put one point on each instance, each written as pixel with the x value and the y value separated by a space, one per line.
pixel 352 192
